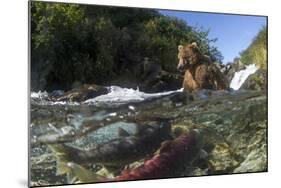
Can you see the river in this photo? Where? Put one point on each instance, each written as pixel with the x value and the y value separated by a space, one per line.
pixel 235 140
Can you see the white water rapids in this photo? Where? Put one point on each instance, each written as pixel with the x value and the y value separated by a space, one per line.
pixel 39 95
pixel 118 95
pixel 241 76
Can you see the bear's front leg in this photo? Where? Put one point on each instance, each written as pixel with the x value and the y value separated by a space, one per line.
pixel 201 77
pixel 189 83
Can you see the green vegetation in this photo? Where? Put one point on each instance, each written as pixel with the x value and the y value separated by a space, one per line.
pixel 257 51
pixel 95 44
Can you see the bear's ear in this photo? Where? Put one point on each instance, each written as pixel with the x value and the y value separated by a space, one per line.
pixel 194 44
pixel 180 47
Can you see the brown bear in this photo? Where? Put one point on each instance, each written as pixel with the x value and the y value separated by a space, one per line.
pixel 200 72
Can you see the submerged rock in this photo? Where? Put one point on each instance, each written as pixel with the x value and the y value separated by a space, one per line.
pixel 221 159
pixel 234 124
pixel 236 136
pixel 256 161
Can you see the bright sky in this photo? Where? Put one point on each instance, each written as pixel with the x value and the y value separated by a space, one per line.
pixel 234 32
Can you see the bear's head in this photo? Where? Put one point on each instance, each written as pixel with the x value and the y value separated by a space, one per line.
pixel 188 55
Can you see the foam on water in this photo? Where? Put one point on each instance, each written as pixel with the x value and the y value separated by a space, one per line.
pixel 118 95
pixel 39 95
pixel 44 98
pixel 241 76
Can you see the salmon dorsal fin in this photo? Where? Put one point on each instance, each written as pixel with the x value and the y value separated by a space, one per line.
pixel 166 146
pixel 143 128
pixel 122 132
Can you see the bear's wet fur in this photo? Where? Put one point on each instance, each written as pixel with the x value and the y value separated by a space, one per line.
pixel 200 72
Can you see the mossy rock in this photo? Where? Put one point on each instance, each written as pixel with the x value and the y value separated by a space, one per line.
pixel 256 81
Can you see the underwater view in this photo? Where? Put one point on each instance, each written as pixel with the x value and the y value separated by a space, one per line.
pixel 122 94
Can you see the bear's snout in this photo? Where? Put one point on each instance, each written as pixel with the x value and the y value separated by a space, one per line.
pixel 180 67
pixel 181 64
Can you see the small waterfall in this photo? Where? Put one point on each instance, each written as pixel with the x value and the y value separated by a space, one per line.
pixel 241 76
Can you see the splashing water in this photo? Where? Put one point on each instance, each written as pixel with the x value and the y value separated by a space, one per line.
pixel 241 76
pixel 118 95
pixel 39 94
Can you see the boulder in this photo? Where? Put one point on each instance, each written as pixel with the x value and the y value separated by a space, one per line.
pixel 231 69
pixel 152 78
pixel 165 81
pixel 83 93
pixel 256 81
